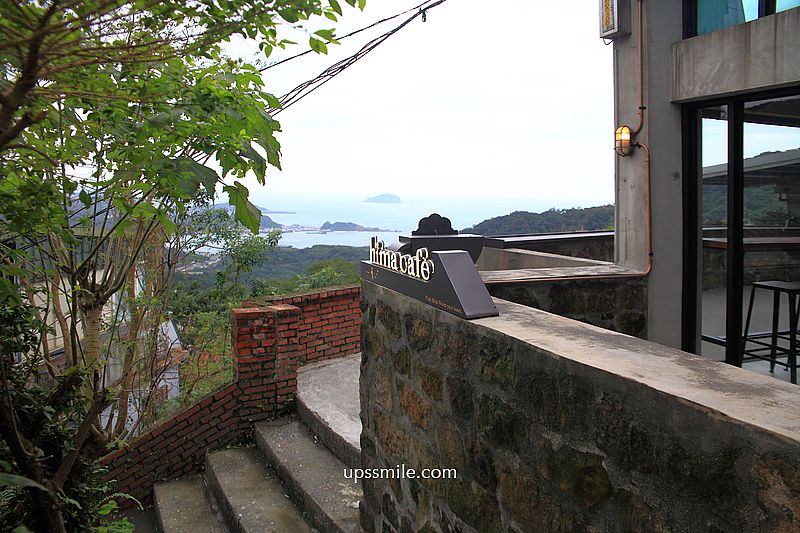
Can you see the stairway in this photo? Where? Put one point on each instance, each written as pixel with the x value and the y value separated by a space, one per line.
pixel 292 480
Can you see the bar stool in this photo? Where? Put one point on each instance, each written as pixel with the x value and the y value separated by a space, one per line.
pixel 791 289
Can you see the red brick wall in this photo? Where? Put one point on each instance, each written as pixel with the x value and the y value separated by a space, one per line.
pixel 177 446
pixel 270 342
pixel 266 358
pixel 330 323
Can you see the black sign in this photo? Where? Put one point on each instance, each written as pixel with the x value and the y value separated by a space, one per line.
pixel 446 279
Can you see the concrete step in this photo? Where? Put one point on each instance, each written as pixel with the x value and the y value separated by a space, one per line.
pixel 312 474
pixel 328 404
pixel 249 494
pixel 182 507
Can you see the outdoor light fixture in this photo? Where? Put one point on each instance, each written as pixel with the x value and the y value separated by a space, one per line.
pixel 622 141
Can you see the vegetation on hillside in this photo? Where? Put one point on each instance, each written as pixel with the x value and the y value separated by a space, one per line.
pixel 550 221
pixel 762 206
pixel 282 263
pixel 110 113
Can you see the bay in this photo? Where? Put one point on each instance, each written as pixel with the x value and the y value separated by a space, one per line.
pixel 397 218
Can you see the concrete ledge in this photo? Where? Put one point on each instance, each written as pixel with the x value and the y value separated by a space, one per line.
pixel 746 57
pixel 746 397
pixel 542 274
pixel 327 403
pixel 515 259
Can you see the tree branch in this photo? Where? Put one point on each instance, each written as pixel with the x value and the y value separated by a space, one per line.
pixel 99 402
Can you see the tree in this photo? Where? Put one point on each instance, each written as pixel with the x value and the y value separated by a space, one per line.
pixel 110 112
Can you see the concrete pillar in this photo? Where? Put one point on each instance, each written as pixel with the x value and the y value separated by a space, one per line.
pixel 661 132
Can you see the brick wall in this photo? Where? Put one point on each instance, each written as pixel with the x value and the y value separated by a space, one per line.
pixel 270 343
pixel 177 446
pixel 330 322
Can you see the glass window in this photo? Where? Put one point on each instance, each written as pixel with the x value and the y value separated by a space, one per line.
pixel 714 220
pixel 750 9
pixel 714 15
pixel 771 230
pixel 783 5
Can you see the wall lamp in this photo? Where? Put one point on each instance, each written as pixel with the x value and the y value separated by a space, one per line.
pixel 623 144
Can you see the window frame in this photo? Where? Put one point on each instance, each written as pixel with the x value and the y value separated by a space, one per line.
pixel 692 228
pixel 765 9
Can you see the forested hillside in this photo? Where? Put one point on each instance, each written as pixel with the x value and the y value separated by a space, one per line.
pixel 285 262
pixel 762 206
pixel 553 220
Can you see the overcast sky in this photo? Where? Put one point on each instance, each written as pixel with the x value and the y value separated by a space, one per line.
pixel 502 99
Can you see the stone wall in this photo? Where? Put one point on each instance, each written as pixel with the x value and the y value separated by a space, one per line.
pixel 554 425
pixel 616 303
pixel 270 342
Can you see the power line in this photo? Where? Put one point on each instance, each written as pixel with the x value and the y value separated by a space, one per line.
pixel 365 28
pixel 306 88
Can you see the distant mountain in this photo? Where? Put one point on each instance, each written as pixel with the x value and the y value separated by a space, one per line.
pixel 347 226
pixel 551 221
pixel 264 211
pixel 266 222
pixel 384 199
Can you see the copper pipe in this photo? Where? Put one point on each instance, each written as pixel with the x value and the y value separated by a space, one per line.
pixel 649 211
pixel 641 72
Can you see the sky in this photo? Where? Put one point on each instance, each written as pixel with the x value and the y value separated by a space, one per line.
pixel 510 99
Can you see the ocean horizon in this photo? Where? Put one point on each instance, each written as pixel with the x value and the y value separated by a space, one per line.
pixel 394 219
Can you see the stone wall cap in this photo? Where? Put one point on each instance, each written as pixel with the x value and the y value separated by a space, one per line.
pixel 746 396
pixel 277 308
pixel 608 270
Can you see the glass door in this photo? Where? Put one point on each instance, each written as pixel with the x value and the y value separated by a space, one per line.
pixel 748 228
pixel 713 219
pixel 771 231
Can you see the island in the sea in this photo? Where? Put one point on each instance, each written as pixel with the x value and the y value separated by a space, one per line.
pixel 347 226
pixel 384 199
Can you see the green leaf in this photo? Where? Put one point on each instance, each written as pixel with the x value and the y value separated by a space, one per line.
pixel 272 100
pixel 335 5
pixel 108 507
pixel 328 35
pixel 85 198
pixel 318 46
pixel 201 173
pixel 127 174
pixel 246 213
pixel 70 186
pixel 19 481
pixel 362 4
pixel 258 162
pixel 169 225
pixel 289 15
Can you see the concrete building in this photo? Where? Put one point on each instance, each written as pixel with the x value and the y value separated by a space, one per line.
pixel 720 86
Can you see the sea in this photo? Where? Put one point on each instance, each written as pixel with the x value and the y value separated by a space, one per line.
pixel 394 218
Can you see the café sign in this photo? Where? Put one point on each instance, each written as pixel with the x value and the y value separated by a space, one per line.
pixel 447 279
pixel 415 266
